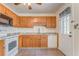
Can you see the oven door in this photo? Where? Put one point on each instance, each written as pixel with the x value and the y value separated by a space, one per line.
pixel 11 46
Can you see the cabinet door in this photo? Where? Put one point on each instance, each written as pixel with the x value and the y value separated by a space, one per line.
pixel 30 22
pixel 8 12
pixel 36 20
pixel 43 20
pixel 2 47
pixel 53 22
pixel 36 41
pixel 32 41
pixel 27 41
pixel 16 21
pixel 39 20
pixel 49 22
pixel 25 22
pixel 33 38
pixel 44 41
pixel 2 9
pixel 22 22
pixel 20 41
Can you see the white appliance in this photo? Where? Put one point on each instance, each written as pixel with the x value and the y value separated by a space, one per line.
pixel 11 44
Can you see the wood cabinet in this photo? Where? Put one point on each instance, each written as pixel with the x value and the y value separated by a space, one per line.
pixel 30 21
pixel 27 41
pixel 25 22
pixel 33 41
pixel 44 41
pixel 51 22
pixel 2 47
pixel 41 20
pixel 2 9
pixel 20 41
pixel 8 12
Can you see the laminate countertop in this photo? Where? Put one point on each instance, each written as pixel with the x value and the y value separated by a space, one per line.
pixel 33 33
pixel 8 35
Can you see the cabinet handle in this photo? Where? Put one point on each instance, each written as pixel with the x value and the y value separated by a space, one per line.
pixel 70 35
pixel 30 39
pixel 4 47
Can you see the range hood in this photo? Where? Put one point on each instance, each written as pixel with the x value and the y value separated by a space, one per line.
pixel 5 20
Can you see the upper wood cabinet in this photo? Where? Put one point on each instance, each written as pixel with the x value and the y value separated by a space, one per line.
pixel 8 12
pixel 25 22
pixel 30 21
pixel 51 22
pixel 5 10
pixel 41 20
pixel 2 9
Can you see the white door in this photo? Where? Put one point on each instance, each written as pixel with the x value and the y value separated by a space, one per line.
pixel 67 37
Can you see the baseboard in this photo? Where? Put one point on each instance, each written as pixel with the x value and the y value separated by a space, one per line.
pixel 61 52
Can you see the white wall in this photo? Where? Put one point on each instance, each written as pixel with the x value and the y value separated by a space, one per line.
pixel 76 31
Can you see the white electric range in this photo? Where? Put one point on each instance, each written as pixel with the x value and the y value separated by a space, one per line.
pixel 11 43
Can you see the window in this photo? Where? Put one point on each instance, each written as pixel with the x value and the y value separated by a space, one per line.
pixel 65 21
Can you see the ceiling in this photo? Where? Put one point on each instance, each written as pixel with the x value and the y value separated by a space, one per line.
pixel 44 8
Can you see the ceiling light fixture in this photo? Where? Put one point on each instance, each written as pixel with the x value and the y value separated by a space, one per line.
pixel 24 3
pixel 30 6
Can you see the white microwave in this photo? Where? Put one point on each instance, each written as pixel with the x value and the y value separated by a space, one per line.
pixel 5 20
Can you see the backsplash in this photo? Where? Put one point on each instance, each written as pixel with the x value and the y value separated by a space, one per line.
pixel 43 29
pixel 34 29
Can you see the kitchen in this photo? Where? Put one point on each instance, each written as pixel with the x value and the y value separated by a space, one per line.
pixel 28 28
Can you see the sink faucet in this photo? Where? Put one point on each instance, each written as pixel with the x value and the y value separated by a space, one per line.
pixel 38 30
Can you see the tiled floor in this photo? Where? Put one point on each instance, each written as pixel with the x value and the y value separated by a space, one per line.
pixel 39 52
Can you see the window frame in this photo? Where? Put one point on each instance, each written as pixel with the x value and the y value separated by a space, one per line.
pixel 65 22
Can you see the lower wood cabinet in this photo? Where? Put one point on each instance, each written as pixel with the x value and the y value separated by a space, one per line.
pixel 20 44
pixel 44 41
pixel 2 47
pixel 33 41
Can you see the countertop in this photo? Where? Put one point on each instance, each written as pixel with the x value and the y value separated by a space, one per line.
pixel 11 34
pixel 33 33
pixel 8 35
